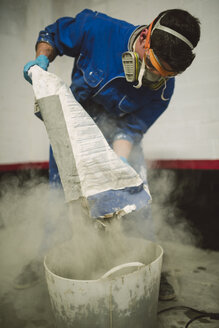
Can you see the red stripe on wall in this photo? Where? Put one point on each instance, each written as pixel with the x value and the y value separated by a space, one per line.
pixel 159 164
pixel 205 164
pixel 23 166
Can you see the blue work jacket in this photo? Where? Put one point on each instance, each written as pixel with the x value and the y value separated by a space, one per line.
pixel 97 42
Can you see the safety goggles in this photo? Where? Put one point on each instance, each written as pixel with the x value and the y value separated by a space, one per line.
pixel 151 59
pixel 153 63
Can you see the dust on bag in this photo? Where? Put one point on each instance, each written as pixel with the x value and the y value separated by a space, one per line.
pixel 88 167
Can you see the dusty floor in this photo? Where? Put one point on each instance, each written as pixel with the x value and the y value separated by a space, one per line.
pixel 195 275
pixel 194 272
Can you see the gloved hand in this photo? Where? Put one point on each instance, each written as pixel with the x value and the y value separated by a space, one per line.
pixel 42 61
pixel 124 160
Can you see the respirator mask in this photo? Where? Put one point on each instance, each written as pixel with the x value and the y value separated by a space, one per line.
pixel 136 70
pixel 141 70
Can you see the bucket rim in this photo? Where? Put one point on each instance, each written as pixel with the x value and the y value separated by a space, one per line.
pixel 92 280
pixel 104 279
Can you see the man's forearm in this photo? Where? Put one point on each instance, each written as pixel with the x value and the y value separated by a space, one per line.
pixel 122 147
pixel 45 49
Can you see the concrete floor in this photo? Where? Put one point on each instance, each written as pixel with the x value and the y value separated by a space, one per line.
pixel 194 272
pixel 194 275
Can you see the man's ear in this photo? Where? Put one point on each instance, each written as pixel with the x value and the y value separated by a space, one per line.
pixel 144 33
pixel 143 36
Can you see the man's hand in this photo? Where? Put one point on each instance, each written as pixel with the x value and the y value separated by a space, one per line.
pixel 42 61
pixel 45 54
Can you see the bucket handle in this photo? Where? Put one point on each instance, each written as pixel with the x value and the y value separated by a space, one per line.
pixel 122 266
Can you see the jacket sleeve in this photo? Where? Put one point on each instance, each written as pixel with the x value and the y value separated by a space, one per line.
pixel 66 34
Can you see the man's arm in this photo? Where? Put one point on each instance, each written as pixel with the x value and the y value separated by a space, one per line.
pixel 45 53
pixel 122 147
pixel 44 48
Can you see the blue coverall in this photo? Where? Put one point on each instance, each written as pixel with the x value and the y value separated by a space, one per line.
pixel 96 42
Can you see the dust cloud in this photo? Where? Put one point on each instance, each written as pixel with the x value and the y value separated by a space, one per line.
pixel 35 218
pixel 91 251
pixel 35 221
pixel 169 220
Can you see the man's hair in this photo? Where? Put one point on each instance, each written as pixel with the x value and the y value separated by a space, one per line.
pixel 171 49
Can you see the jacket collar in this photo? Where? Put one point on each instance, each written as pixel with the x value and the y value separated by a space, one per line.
pixel 134 36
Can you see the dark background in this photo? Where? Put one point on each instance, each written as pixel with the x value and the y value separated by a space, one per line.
pixel 195 193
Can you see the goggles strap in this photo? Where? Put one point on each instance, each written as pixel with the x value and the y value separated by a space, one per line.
pixel 148 38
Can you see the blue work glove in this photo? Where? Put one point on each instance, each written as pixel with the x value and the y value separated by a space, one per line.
pixel 124 160
pixel 42 61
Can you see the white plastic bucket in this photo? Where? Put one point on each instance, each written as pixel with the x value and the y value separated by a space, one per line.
pixel 126 296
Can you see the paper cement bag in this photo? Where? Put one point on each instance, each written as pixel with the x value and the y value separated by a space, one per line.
pixel 88 167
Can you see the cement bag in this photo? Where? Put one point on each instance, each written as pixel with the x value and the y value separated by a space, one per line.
pixel 88 167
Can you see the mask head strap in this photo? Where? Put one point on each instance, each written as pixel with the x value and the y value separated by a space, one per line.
pixel 158 26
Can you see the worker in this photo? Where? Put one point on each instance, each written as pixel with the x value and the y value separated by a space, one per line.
pixel 123 75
